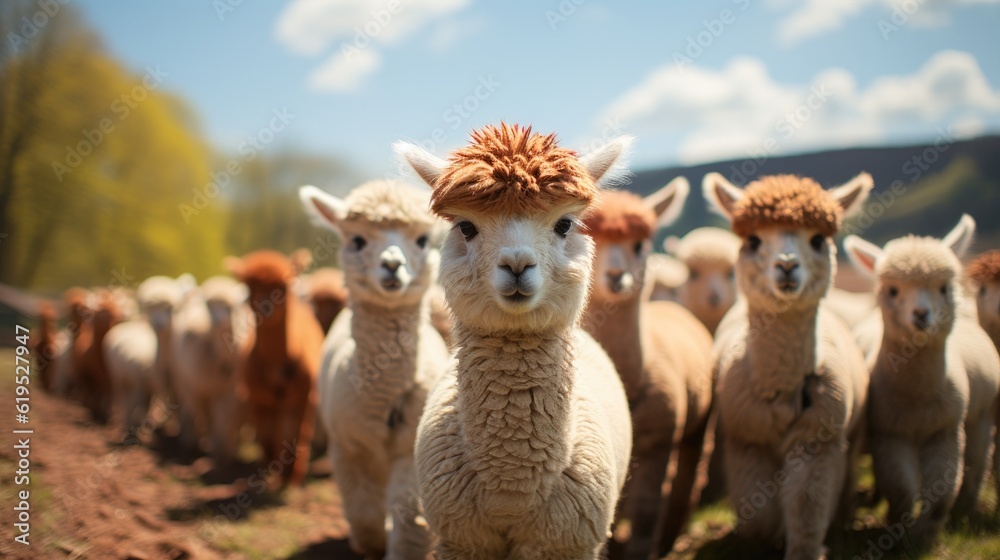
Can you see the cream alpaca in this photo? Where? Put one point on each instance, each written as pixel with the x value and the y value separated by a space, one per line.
pixel 710 256
pixel 934 381
pixel 523 447
pixel 208 331
pixel 137 351
pixel 380 359
pixel 791 380
pixel 663 356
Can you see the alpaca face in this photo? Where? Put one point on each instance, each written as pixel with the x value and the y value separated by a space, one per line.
pixel 785 266
pixel 388 267
pixel 620 268
pixel 517 272
pixel 710 289
pixel 920 305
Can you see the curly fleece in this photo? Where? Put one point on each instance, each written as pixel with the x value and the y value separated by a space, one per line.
pixel 986 268
pixel 786 200
pixel 621 215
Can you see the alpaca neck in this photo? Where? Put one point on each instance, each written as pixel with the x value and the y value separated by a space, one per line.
pixel 913 364
pixel 386 341
pixel 615 325
pixel 272 339
pixel 781 347
pixel 514 407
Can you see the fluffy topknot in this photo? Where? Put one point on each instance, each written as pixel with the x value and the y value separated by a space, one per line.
pixel 621 215
pixel 388 202
pixel 986 268
pixel 786 200
pixel 922 260
pixel 706 244
pixel 265 267
pixel 511 170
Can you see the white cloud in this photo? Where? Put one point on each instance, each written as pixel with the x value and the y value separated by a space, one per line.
pixel 741 110
pixel 310 26
pixel 341 73
pixel 815 17
pixel 454 30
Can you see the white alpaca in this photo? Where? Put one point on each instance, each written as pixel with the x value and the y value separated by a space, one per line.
pixel 137 351
pixel 380 359
pixel 208 332
pixel 792 383
pixel 710 256
pixel 934 381
pixel 664 277
pixel 524 445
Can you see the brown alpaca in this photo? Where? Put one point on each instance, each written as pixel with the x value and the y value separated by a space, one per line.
pixel 985 272
pixel 663 355
pixel 278 366
pixel 326 292
pixel 45 350
pixel 92 378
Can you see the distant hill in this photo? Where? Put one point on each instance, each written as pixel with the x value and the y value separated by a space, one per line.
pixel 938 184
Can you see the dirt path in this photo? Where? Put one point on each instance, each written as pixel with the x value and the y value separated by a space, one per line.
pixel 92 498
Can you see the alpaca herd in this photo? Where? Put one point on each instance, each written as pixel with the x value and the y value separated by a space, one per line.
pixel 502 367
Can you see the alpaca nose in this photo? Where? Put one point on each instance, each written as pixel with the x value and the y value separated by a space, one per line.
pixel 714 300
pixel 787 263
pixel 516 262
pixel 392 258
pixel 920 315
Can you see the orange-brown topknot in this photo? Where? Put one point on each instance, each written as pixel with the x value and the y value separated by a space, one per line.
pixel 786 200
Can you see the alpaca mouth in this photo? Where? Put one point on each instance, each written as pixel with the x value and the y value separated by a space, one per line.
pixel 392 284
pixel 788 287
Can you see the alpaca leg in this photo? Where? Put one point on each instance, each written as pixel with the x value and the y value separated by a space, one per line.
pixel 750 480
pixel 361 479
pixel 844 518
pixel 809 500
pixel 645 497
pixel 715 487
pixel 298 431
pixel 897 474
pixel 225 430
pixel 977 447
pixel 409 538
pixel 677 504
pixel 942 465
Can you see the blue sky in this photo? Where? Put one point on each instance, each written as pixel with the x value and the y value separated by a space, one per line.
pixel 776 76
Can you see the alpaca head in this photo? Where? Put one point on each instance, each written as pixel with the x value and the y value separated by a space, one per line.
pixel 159 296
pixel 985 272
pixel 710 256
pixel 386 230
pixel 919 280
pixel 268 276
pixel 622 225
pixel 107 309
pixel 786 224
pixel 78 302
pixel 516 258
pixel 224 298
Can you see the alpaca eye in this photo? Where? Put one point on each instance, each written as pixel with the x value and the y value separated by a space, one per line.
pixel 732 273
pixel 422 241
pixel 562 227
pixel 944 290
pixel 468 230
pixel 358 242
pixel 638 248
pixel 817 241
pixel 693 274
pixel 982 291
pixel 893 292
pixel 754 243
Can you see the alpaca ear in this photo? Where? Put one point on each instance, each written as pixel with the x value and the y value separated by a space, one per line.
pixel 324 209
pixel 852 195
pixel 234 265
pixel 606 165
pixel 863 255
pixel 721 195
pixel 668 202
pixel 960 239
pixel 671 244
pixel 427 165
